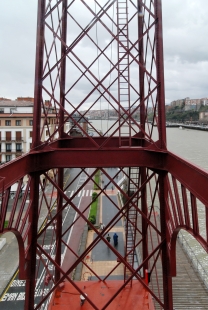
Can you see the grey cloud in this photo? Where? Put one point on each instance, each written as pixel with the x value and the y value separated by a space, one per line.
pixel 185 30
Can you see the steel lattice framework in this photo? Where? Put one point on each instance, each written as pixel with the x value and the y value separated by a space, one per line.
pixel 103 56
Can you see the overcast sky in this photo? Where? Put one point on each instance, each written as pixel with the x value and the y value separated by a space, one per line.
pixel 185 30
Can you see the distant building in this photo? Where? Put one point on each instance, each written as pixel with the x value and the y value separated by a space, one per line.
pixel 29 99
pixel 192 104
pixel 167 107
pixel 189 104
pixel 203 117
pixel 16 121
pixel 204 101
pixel 5 99
pixel 178 103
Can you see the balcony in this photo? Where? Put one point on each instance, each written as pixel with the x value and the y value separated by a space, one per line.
pixel 13 139
pixel 17 139
pixel 9 152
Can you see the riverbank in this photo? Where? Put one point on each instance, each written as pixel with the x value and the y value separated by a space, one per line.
pixel 182 126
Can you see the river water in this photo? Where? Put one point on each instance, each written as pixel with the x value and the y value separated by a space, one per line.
pixel 191 145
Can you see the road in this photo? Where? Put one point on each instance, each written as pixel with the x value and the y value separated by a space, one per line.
pixel 15 293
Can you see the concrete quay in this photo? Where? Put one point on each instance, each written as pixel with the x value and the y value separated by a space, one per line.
pixel 183 126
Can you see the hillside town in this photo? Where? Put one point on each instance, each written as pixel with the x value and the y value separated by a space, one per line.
pixel 189 104
pixel 188 110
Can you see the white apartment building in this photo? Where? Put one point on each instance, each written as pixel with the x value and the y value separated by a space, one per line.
pixel 16 121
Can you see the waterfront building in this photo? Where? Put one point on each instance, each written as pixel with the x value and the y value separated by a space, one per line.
pixel 203 117
pixel 177 103
pixel 192 104
pixel 16 121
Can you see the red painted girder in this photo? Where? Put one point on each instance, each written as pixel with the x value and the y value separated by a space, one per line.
pixel 108 157
pixel 15 170
pixel 192 177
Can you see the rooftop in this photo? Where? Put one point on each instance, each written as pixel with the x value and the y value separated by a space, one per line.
pixel 14 103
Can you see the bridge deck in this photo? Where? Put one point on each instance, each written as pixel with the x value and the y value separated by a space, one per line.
pixel 100 293
pixel 188 291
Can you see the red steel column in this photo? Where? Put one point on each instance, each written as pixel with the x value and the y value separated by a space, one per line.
pixel 38 73
pixel 167 279
pixel 160 75
pixel 34 188
pixel 32 242
pixel 142 124
pixel 61 132
pixel 163 189
pixel 144 222
pixel 141 68
pixel 59 224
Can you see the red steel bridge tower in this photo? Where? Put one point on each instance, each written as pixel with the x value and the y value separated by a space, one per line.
pixel 106 58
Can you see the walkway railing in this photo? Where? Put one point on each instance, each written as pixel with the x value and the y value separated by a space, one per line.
pixel 197 265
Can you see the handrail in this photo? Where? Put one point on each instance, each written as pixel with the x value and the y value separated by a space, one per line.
pixel 199 268
pixel 203 274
